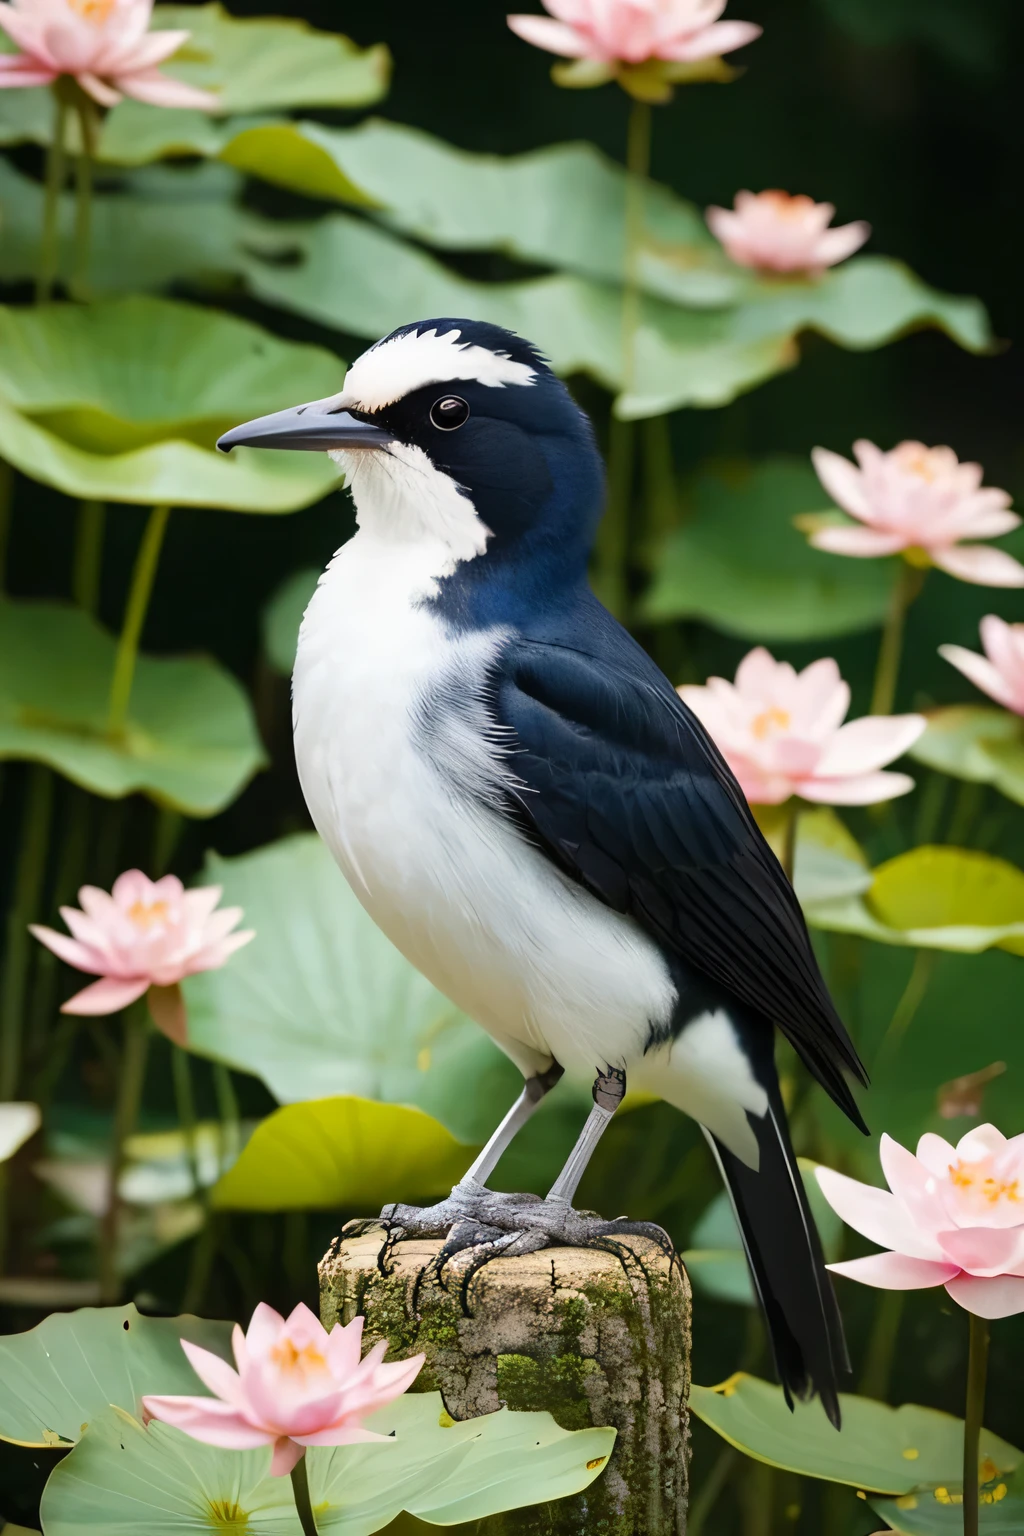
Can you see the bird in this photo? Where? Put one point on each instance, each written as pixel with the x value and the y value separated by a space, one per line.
pixel 525 806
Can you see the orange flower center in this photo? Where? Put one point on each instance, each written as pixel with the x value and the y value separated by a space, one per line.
pixel 308 1358
pixel 773 719
pixel 146 916
pixel 922 464
pixel 786 207
pixel 95 12
pixel 972 1176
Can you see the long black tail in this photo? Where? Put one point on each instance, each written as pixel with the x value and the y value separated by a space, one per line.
pixel 786 1261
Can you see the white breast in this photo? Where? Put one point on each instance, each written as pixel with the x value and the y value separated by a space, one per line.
pixel 544 967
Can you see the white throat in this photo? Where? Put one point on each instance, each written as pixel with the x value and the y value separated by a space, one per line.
pixel 402 498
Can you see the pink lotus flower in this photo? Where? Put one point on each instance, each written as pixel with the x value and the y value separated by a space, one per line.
pixel 1000 672
pixel 296 1385
pixel 955 1217
pixel 779 233
pixel 781 733
pixel 146 936
pixel 632 31
pixel 104 44
pixel 920 502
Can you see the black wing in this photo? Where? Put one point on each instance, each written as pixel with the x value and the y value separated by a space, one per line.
pixel 624 789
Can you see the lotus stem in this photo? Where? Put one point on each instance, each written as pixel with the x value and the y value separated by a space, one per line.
pixel 130 1081
pixel 88 557
pixel 977 1371
pixel 28 889
pixel 49 249
pixel 83 195
pixel 907 587
pixel 638 165
pixel 882 1345
pixel 789 836
pixel 6 493
pixel 185 1104
pixel 300 1489
pixel 139 594
pixel 228 1112
pixel 910 1001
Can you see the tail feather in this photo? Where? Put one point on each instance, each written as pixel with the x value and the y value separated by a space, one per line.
pixel 788 1268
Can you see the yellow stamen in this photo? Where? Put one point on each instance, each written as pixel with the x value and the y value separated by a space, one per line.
pixel 968 1176
pixel 769 720
pixel 308 1358
pixel 95 12
pixel 147 916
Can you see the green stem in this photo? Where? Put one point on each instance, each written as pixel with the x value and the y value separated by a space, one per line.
pixel 710 1489
pixel 907 587
pixel 28 890
pixel 611 548
pixel 977 1371
pixel 882 1346
pixel 134 618
pixel 130 1082
pixel 300 1489
pixel 638 165
pixel 228 1112
pixel 49 250
pixel 792 827
pixel 6 496
pixel 910 1001
pixel 185 1103
pixel 88 557
pixel 83 193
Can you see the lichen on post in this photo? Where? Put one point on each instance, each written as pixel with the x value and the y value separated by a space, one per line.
pixel 590 1336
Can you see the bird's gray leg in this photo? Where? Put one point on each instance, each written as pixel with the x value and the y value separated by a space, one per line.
pixel 534 1089
pixel 609 1091
pixel 470 1200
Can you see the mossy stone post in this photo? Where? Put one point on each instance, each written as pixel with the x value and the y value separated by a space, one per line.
pixel 593 1339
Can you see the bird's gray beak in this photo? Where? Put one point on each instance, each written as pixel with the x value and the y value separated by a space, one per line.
pixel 311 427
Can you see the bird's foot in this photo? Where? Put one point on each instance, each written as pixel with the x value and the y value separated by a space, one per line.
pixel 481 1224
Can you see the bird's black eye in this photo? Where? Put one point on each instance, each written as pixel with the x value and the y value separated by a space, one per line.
pixel 449 412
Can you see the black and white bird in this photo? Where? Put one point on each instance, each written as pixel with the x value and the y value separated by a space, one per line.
pixel 524 805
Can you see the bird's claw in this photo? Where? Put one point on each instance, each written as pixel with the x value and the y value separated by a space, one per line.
pixel 480 1224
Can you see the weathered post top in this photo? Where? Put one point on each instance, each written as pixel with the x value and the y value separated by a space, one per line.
pixel 591 1337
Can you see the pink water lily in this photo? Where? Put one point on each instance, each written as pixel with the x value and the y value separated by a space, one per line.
pixel 104 44
pixel 782 734
pixel 920 502
pixel 779 233
pixel 1000 672
pixel 296 1385
pixel 146 934
pixel 632 31
pixel 952 1216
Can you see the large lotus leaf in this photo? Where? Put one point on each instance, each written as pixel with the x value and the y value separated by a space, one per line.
pixel 282 617
pixel 60 1376
pixel 123 400
pixel 324 1004
pixel 880 1449
pixel 738 562
pixel 122 1478
pixel 935 898
pixel 343 1154
pixel 190 741
pixel 940 1512
pixel 163 226
pixel 715 1260
pixel 976 742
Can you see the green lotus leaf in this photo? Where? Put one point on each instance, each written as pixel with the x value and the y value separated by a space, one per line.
pixel 61 1375
pixel 190 741
pixel 935 898
pixel 738 563
pixel 123 400
pixel 940 1511
pixel 324 1004
pixel 343 1154
pixel 880 1449
pixel 282 617
pixel 122 1478
pixel 977 742
pixel 716 1263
